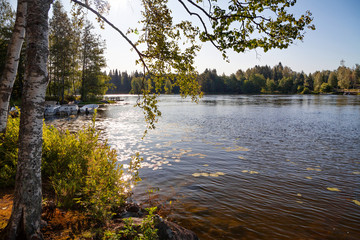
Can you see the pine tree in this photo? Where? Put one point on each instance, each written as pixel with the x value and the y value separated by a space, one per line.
pixel 93 81
pixel 61 56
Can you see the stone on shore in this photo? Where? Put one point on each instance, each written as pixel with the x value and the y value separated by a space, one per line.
pixel 171 231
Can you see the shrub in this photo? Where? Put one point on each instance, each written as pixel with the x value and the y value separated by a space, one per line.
pixel 145 231
pixel 104 187
pixel 81 170
pixel 9 152
pixel 65 161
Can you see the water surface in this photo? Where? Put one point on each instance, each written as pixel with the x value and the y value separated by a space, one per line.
pixel 247 167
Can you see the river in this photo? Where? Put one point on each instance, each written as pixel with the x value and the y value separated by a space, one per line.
pixel 246 167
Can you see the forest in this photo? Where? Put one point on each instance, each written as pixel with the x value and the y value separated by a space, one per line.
pixel 278 79
pixel 76 57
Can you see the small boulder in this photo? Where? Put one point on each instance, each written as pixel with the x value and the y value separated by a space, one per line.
pixel 171 231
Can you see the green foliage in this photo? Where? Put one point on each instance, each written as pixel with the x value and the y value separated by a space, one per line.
pixel 64 54
pixel 103 184
pixel 169 48
pixel 344 77
pixel 138 84
pixel 84 171
pixel 6 23
pixel 168 87
pixel 325 88
pixel 94 82
pixel 9 152
pixel 7 14
pixel 148 225
pixel 129 231
pixel 270 85
pixel 259 24
pixel 258 80
pixel 145 231
pixel 279 79
pixel 333 81
pixel 120 81
pixel 81 170
pixel 168 58
pixel 286 85
pixel 306 91
pixel 148 103
pixel 76 58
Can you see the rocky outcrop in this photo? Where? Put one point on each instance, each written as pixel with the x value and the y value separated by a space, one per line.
pixel 171 231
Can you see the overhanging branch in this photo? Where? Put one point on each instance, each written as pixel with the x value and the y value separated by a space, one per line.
pixel 202 22
pixel 116 29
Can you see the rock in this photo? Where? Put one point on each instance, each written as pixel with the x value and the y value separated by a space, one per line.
pixel 171 231
pixel 128 215
pixel 130 211
pixel 133 208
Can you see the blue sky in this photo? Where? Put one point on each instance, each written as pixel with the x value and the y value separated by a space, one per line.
pixel 337 37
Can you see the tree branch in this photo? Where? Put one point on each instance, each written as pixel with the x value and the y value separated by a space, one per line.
pixel 116 29
pixel 202 21
pixel 201 9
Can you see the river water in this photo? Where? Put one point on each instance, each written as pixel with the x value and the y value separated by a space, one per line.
pixel 246 167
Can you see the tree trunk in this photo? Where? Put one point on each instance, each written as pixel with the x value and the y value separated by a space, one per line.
pixel 25 218
pixel 12 63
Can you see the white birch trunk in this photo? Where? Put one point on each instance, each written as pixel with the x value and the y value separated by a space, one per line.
pixel 12 62
pixel 26 213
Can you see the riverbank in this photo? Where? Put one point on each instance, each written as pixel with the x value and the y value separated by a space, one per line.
pixel 85 189
pixel 128 220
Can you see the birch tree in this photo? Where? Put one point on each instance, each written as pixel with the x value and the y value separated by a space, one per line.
pixel 25 219
pixel 12 61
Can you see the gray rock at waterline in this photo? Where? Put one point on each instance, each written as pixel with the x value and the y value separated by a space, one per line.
pixel 171 231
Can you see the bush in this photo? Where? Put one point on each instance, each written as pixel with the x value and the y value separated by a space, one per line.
pixel 9 152
pixel 145 231
pixel 84 172
pixel 81 170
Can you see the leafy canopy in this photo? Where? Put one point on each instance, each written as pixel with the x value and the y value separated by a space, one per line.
pixel 167 49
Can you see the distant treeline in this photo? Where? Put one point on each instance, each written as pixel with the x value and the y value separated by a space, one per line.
pixel 259 79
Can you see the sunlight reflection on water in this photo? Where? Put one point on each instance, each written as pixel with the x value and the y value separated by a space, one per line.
pixel 247 167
